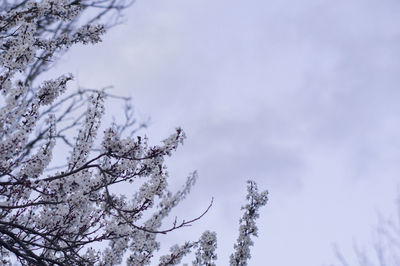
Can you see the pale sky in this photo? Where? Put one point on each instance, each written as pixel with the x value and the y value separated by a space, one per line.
pixel 301 96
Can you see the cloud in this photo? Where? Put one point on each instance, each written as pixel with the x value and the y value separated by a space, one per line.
pixel 300 95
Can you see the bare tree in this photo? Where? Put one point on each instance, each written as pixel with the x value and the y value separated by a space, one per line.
pixel 56 215
pixel 385 248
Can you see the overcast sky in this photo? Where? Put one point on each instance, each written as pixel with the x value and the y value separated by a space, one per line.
pixel 301 96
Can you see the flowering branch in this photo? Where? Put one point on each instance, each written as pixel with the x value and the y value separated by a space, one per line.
pixel 248 226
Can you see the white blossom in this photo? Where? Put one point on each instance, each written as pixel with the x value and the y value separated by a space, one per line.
pixel 177 253
pixel 206 252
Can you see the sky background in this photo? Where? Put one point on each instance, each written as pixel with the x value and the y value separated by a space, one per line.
pixel 301 96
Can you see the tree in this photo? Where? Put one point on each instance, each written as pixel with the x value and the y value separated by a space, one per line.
pixel 57 215
pixel 385 249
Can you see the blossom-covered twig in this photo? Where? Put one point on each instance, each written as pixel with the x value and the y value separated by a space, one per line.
pixel 248 225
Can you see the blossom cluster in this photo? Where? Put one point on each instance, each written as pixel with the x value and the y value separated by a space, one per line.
pixel 205 254
pixel 248 225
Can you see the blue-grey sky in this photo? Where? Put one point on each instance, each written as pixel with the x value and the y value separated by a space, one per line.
pixel 301 96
